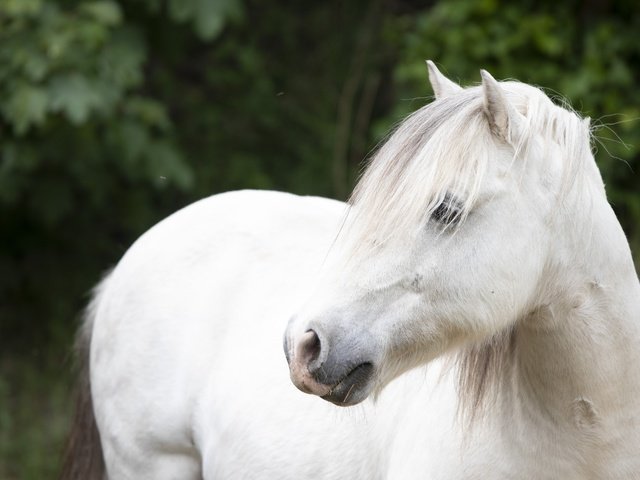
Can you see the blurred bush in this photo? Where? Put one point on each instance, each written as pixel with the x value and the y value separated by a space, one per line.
pixel 115 113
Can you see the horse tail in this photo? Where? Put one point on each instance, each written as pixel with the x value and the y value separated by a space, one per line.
pixel 83 458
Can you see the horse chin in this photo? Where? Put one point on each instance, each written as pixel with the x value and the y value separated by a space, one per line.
pixel 352 389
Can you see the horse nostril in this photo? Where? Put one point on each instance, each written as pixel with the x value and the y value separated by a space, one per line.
pixel 308 347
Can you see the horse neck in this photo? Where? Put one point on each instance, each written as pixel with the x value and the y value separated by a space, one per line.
pixel 578 354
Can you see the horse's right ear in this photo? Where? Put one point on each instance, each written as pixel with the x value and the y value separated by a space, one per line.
pixel 504 119
pixel 442 86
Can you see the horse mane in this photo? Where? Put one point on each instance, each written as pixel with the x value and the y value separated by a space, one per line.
pixel 444 149
pixel 479 369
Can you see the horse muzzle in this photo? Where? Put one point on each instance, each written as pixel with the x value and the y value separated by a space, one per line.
pixel 341 374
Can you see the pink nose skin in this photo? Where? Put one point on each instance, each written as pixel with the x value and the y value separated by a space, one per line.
pixel 306 351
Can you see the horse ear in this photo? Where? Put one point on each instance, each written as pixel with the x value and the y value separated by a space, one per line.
pixel 503 118
pixel 442 86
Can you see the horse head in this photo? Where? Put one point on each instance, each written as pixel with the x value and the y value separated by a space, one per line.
pixel 453 235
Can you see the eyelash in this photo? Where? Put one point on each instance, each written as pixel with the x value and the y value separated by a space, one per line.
pixel 448 212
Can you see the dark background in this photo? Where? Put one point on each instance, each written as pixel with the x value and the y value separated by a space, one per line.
pixel 115 113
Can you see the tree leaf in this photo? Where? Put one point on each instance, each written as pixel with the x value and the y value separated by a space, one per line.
pixel 182 10
pixel 25 107
pixel 104 11
pixel 74 96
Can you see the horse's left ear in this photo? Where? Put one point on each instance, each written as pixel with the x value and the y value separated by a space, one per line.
pixel 503 118
pixel 442 86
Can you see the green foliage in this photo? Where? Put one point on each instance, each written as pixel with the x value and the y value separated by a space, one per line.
pixel 34 416
pixel 68 75
pixel 74 62
pixel 208 17
pixel 114 113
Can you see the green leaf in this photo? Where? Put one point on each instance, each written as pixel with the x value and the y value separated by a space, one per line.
pixel 16 8
pixel 131 139
pixel 122 58
pixel 209 16
pixel 148 111
pixel 36 66
pixel 182 10
pixel 25 107
pixel 209 26
pixel 166 165
pixel 74 96
pixel 104 11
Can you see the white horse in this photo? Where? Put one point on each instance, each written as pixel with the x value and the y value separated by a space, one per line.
pixel 477 299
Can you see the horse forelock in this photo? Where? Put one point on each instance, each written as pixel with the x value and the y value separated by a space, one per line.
pixel 438 152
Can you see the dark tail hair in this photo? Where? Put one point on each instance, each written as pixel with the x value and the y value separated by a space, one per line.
pixel 83 458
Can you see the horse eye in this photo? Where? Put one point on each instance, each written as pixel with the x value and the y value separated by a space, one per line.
pixel 448 212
